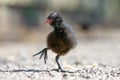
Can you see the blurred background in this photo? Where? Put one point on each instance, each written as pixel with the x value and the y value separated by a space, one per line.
pixel 96 22
pixel 22 20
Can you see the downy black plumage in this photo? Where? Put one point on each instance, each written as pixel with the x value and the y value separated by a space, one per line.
pixel 61 40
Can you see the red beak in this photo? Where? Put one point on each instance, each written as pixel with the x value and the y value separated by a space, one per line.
pixel 48 21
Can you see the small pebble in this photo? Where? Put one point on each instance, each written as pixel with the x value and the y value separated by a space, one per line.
pixel 65 76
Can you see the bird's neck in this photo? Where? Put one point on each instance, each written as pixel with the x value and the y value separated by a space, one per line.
pixel 58 28
pixel 56 24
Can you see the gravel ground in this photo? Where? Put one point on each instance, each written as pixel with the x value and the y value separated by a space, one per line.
pixel 96 59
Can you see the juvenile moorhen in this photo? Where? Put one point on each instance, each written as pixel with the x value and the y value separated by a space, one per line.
pixel 61 40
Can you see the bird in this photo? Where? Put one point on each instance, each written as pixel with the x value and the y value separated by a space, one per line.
pixel 61 40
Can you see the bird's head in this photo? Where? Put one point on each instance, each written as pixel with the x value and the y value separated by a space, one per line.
pixel 54 18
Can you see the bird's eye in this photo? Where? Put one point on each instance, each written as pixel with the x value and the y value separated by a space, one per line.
pixel 49 17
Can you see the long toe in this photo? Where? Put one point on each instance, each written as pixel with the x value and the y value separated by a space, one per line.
pixel 42 53
pixel 59 70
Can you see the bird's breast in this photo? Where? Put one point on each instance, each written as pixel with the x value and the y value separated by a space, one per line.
pixel 59 42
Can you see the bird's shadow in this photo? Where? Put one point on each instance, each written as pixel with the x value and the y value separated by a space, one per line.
pixel 24 70
pixel 33 70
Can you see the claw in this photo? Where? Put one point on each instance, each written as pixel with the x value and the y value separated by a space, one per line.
pixel 43 53
pixel 45 56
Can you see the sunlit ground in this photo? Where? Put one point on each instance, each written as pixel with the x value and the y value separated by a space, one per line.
pixel 98 49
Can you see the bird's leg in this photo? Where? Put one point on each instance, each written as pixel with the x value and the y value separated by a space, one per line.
pixel 42 53
pixel 58 63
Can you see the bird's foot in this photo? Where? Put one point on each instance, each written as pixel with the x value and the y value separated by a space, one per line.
pixel 64 71
pixel 42 53
pixel 59 70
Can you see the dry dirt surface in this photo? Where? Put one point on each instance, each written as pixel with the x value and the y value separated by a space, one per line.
pixel 93 59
